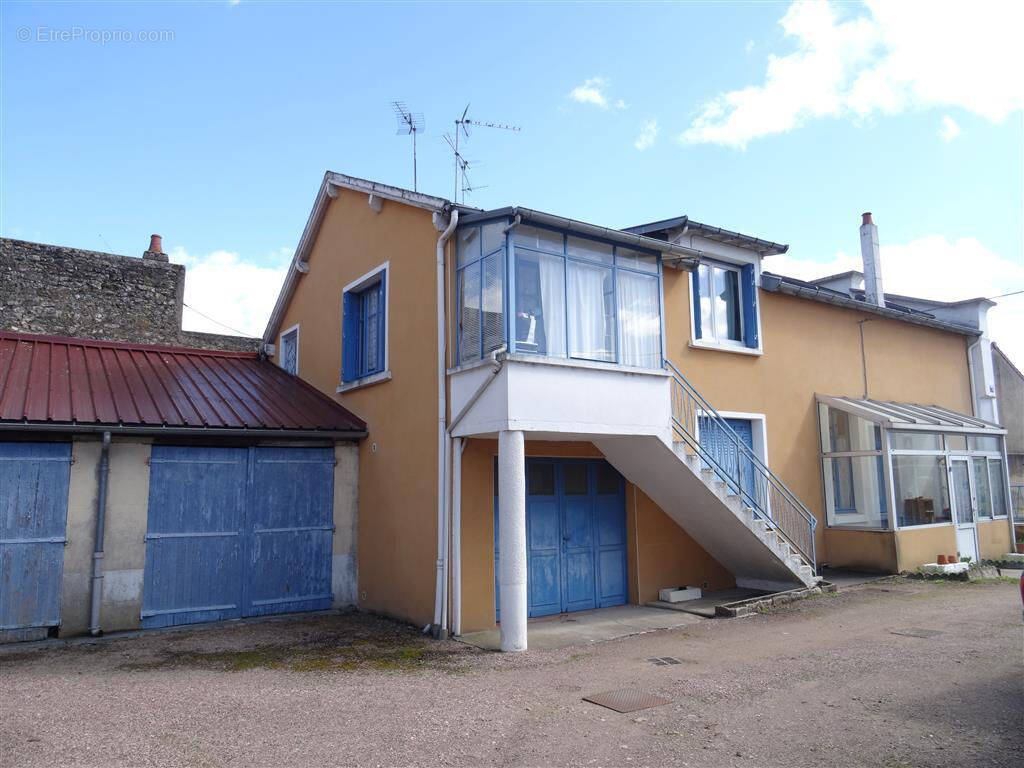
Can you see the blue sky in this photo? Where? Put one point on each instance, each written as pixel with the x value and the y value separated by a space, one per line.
pixel 781 120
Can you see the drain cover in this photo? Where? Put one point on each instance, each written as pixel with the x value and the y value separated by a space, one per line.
pixel 626 700
pixel 916 632
pixel 664 661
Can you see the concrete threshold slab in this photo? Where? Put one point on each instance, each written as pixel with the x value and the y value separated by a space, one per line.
pixel 568 629
pixel 707 605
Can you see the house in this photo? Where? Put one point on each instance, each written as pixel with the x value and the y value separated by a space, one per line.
pixel 51 289
pixel 565 416
pixel 1010 392
pixel 146 483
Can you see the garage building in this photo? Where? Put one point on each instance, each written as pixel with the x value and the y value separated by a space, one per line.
pixel 150 486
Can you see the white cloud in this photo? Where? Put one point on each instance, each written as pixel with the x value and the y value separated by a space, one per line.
pixel 648 133
pixel 749 46
pixel 898 56
pixel 235 293
pixel 591 92
pixel 620 104
pixel 933 267
pixel 949 129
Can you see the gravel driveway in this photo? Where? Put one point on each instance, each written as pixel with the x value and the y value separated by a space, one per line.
pixel 824 682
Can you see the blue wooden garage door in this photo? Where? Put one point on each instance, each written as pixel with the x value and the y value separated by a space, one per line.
pixel 237 532
pixel 575 536
pixel 34 480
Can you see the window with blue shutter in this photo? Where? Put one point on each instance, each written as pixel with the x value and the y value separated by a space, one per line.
pixel 290 351
pixel 363 336
pixel 725 304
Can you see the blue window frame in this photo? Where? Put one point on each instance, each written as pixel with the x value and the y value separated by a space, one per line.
pixel 725 304
pixel 546 292
pixel 364 330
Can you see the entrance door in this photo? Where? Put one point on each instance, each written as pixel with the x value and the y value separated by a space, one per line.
pixel 714 439
pixel 965 508
pixel 575 536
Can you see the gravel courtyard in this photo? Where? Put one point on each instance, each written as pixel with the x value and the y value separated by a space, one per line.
pixel 824 682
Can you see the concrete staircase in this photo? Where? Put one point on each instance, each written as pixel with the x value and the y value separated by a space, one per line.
pixel 746 542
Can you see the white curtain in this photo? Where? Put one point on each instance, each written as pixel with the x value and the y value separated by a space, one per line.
pixel 587 336
pixel 552 301
pixel 639 320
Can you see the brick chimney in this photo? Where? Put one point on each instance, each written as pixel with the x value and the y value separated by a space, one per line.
pixel 155 252
pixel 872 262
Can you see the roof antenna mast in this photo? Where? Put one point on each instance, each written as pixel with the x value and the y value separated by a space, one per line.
pixel 462 126
pixel 409 123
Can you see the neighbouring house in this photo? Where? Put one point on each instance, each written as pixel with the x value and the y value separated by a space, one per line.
pixel 151 476
pixel 51 289
pixel 565 416
pixel 1010 392
pixel 146 486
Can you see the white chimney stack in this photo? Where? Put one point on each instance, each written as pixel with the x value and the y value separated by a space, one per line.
pixel 872 262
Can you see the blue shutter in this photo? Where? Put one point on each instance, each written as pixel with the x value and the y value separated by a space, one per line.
pixel 350 337
pixel 748 295
pixel 695 309
pixel 381 319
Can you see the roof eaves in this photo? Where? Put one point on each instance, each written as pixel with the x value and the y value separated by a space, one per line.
pixel 780 284
pixel 718 234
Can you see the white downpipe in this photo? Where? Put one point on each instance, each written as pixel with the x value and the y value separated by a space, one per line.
pixel 512 538
pixel 457 446
pixel 443 440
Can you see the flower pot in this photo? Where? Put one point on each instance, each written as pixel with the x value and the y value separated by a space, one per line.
pixel 943 560
pixel 954 558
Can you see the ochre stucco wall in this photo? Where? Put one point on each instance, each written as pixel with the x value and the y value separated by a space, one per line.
pixel 397 530
pixel 993 539
pixel 811 348
pixel 861 550
pixel 667 555
pixel 916 546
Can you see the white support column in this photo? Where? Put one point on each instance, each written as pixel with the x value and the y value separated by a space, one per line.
pixel 512 539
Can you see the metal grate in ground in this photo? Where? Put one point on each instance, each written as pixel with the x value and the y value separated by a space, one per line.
pixel 664 661
pixel 626 700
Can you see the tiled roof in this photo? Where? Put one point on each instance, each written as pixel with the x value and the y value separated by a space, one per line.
pixel 54 380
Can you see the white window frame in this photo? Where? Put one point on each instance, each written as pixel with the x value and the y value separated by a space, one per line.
pixel 360 284
pixel 280 348
pixel 734 258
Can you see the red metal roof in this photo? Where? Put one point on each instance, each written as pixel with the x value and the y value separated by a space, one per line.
pixel 53 380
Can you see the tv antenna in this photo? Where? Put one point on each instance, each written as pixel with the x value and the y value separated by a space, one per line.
pixel 462 125
pixel 409 123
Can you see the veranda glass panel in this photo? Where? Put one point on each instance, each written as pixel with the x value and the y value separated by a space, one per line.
pixel 539 239
pixel 842 432
pixel 591 315
pixel 639 320
pixel 998 485
pixel 540 303
pixel 469 314
pixel 855 486
pixel 916 441
pixel 921 489
pixel 981 486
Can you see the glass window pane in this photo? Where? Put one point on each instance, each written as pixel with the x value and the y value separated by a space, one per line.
pixel 607 479
pixel 956 442
pixel 591 314
pixel 998 485
pixel 639 320
pixel 916 441
pixel 983 443
pixel 575 477
pixel 589 249
pixel 469 314
pixel 493 320
pixel 468 245
pixel 707 328
pixel 290 352
pixel 540 303
pixel 855 490
pixel 540 479
pixel 492 236
pixel 922 494
pixel 626 257
pixel 842 432
pixel 539 239
pixel 727 304
pixel 981 486
pixel 962 492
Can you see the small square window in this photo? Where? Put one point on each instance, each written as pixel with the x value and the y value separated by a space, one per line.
pixel 725 304
pixel 574 476
pixel 540 479
pixel 608 480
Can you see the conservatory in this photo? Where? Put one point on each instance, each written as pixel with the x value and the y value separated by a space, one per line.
pixel 934 480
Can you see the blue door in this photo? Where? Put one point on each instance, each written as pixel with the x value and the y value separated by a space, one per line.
pixel 34 479
pixel 575 536
pixel 237 532
pixel 713 438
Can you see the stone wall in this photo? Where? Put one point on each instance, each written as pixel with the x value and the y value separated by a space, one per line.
pixel 60 291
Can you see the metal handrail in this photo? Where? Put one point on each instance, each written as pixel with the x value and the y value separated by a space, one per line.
pixel 741 469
